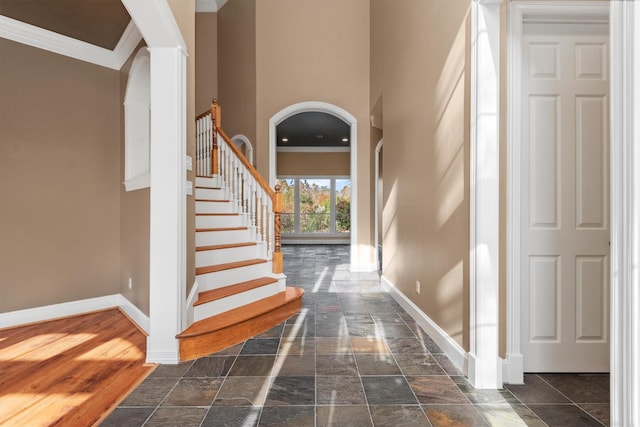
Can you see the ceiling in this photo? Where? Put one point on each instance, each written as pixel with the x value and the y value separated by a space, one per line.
pixel 313 129
pixel 97 22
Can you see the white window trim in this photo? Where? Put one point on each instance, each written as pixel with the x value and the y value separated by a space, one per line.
pixel 332 192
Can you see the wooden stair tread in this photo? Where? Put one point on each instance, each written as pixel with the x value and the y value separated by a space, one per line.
pixel 226 246
pixel 218 214
pixel 228 266
pixel 209 188
pixel 221 229
pixel 213 200
pixel 241 314
pixel 216 294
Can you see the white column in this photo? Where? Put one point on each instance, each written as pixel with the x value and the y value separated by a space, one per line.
pixel 168 206
pixel 485 369
pixel 625 214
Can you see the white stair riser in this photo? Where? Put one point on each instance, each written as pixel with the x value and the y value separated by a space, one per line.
pixel 216 207
pixel 234 301
pixel 210 194
pixel 207 238
pixel 223 256
pixel 210 221
pixel 233 276
pixel 207 182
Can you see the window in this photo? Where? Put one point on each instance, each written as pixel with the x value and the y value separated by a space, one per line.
pixel 315 205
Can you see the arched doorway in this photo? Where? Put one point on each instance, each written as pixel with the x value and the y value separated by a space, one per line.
pixel 323 107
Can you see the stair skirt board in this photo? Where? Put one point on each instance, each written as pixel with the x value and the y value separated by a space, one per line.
pixel 236 326
pixel 232 276
pixel 223 256
pixel 213 308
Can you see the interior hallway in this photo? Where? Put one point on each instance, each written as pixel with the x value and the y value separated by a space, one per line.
pixel 352 357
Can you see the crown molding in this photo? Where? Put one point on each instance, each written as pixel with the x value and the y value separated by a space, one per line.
pixel 40 38
pixel 209 5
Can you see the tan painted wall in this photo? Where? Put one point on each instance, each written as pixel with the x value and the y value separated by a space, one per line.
pixel 185 15
pixel 60 178
pixel 206 60
pixel 420 67
pixel 313 164
pixel 237 67
pixel 316 51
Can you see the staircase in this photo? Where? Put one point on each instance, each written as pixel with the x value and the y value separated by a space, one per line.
pixel 241 291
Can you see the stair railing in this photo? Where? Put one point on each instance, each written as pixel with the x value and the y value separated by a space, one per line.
pixel 261 206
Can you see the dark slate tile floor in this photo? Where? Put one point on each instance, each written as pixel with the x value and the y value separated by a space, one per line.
pixel 352 357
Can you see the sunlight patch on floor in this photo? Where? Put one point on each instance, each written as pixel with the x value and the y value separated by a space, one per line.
pixel 43 347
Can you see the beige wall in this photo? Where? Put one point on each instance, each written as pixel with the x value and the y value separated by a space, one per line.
pixel 206 60
pixel 316 51
pixel 420 68
pixel 313 164
pixel 185 15
pixel 237 68
pixel 60 178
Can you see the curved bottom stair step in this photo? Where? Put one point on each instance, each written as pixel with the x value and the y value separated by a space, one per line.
pixel 216 333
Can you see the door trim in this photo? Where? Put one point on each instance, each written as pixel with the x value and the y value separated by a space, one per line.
pixel 519 13
pixel 625 211
pixel 324 107
pixel 377 202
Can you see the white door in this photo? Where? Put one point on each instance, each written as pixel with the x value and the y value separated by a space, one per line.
pixel 565 198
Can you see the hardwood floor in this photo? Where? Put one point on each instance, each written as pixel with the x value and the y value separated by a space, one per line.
pixel 70 371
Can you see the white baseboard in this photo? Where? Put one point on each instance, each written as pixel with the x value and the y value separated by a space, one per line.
pixel 72 308
pixel 163 357
pixel 452 349
pixel 513 369
pixel 134 313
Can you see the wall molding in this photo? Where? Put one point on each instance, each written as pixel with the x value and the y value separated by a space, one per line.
pixel 452 349
pixel 74 308
pixel 40 38
pixel 209 5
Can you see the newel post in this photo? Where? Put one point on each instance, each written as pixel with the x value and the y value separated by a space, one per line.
pixel 215 118
pixel 277 253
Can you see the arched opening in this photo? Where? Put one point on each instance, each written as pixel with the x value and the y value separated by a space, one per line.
pixel 352 123
pixel 245 146
pixel 137 116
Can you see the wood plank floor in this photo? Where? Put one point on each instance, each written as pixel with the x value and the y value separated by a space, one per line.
pixel 70 371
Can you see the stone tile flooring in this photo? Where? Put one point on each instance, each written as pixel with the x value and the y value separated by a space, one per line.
pixel 352 357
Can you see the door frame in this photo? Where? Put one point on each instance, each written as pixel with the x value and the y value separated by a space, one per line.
pixel 520 11
pixel 344 115
pixel 377 201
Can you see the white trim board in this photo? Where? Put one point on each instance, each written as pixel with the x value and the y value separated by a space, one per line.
pixel 485 366
pixel 519 11
pixel 625 213
pixel 451 349
pixel 75 308
pixel 40 38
